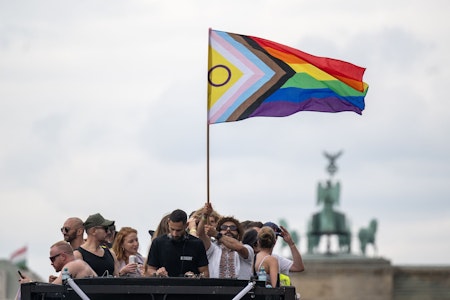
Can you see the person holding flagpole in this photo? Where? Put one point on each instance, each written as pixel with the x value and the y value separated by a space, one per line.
pixel 228 257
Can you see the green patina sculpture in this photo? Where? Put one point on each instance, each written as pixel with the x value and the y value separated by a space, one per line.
pixel 367 236
pixel 332 168
pixel 328 195
pixel 329 221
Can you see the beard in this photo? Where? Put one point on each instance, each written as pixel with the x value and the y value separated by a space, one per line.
pixel 69 238
pixel 176 239
pixel 230 234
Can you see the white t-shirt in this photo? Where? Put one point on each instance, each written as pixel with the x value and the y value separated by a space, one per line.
pixel 284 263
pixel 243 265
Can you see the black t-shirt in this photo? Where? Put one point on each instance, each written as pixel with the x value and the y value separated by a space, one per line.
pixel 178 257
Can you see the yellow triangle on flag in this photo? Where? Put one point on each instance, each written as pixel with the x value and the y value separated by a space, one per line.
pixel 222 76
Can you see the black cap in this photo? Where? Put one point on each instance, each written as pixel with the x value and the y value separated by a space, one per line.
pixel 274 226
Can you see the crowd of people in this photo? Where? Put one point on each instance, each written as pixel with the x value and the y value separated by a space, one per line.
pixel 205 244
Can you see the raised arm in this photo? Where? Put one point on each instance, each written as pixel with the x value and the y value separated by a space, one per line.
pixel 297 265
pixel 227 241
pixel 207 209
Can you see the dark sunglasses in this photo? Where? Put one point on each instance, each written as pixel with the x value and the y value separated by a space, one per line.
pixel 103 227
pixel 231 227
pixel 52 258
pixel 65 229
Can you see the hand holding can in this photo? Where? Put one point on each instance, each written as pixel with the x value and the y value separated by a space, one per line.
pixel 132 259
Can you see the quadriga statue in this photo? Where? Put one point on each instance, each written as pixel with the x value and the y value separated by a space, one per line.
pixel 328 221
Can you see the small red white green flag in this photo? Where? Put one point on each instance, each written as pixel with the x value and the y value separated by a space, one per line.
pixel 19 257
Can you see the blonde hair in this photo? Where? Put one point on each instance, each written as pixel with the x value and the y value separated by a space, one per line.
pixel 63 246
pixel 163 227
pixel 215 215
pixel 266 238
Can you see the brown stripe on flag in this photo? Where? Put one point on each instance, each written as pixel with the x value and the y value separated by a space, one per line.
pixel 282 73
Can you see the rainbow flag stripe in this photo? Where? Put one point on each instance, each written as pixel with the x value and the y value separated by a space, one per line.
pixel 249 77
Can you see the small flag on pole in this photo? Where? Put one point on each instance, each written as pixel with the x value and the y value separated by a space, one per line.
pixel 249 77
pixel 19 258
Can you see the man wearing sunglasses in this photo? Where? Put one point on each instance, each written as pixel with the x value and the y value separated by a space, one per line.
pixel 101 259
pixel 61 256
pixel 229 257
pixel 72 231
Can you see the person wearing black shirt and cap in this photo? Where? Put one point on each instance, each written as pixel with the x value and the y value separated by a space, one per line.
pixel 101 259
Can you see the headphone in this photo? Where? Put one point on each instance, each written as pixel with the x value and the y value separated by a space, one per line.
pixel 184 238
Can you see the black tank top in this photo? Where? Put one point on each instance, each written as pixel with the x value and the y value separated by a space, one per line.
pixel 100 264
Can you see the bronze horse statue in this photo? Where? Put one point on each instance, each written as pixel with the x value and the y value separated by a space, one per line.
pixel 367 236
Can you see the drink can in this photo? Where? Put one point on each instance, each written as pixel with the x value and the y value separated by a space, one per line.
pixel 132 259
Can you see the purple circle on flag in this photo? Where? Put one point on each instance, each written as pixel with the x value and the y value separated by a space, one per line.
pixel 226 80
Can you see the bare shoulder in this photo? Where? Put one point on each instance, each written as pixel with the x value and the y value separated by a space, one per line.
pixel 76 263
pixel 79 269
pixel 271 259
pixel 77 254
pixel 113 253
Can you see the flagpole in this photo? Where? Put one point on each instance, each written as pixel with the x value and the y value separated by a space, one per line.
pixel 207 162
pixel 207 124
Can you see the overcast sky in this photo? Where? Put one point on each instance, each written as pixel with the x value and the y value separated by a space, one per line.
pixel 103 109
